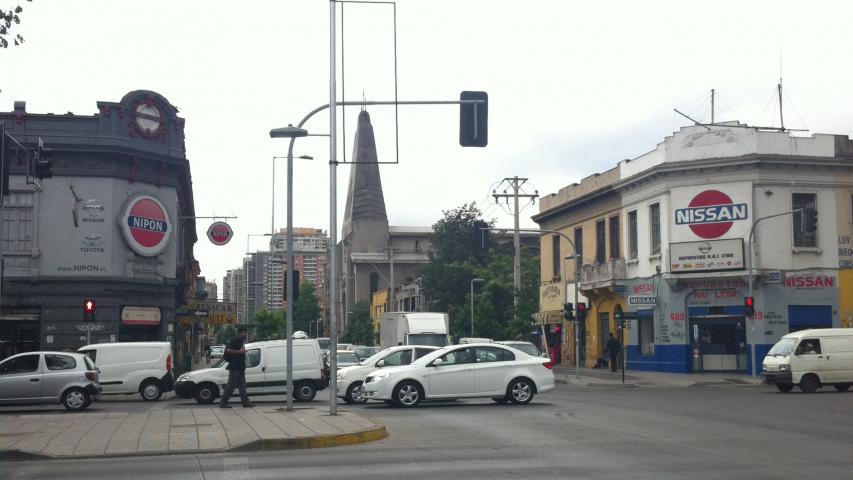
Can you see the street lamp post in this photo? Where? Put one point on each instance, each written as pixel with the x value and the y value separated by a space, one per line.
pixel 292 133
pixel 272 221
pixel 473 281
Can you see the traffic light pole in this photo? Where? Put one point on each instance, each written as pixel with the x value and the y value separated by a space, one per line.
pixel 749 277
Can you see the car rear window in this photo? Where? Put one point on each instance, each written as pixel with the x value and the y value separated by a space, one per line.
pixel 60 362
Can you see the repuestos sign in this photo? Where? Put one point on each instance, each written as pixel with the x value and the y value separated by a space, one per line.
pixel 710 214
pixel 146 226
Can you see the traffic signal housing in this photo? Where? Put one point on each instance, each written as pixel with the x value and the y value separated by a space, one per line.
pixel 810 219
pixel 581 313
pixel 89 307
pixel 569 311
pixel 294 274
pixel 474 120
pixel 42 161
pixel 749 306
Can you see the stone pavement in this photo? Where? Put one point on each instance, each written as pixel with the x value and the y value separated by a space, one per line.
pixel 179 430
pixel 593 377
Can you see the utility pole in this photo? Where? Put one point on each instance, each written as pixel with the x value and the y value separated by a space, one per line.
pixel 515 183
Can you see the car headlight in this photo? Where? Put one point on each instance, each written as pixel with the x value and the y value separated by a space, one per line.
pixel 784 368
pixel 184 378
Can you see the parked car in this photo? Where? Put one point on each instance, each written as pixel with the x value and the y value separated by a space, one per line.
pixel 217 351
pixel 266 372
pixel 464 340
pixel 463 371
pixel 351 379
pixel 811 359
pixel 526 347
pixel 364 352
pixel 133 367
pixel 49 377
pixel 324 343
pixel 346 358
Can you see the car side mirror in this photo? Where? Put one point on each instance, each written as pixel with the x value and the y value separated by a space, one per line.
pixel 437 362
pixel 380 363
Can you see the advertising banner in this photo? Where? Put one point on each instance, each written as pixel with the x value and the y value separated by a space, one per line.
pixel 710 256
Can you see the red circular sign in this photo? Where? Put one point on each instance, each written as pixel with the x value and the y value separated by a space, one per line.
pixel 146 226
pixel 220 233
pixel 710 198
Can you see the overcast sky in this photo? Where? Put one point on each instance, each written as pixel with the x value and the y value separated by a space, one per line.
pixel 573 88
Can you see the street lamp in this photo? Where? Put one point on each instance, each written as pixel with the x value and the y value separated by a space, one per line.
pixel 272 221
pixel 292 133
pixel 249 236
pixel 473 281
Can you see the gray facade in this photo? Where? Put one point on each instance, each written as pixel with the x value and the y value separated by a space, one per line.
pixel 113 224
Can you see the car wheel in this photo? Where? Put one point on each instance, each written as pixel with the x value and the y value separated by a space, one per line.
pixel 785 387
pixel 842 387
pixel 407 394
pixel 304 392
pixel 206 393
pixel 501 400
pixel 520 391
pixel 355 393
pixel 150 390
pixel 75 399
pixel 809 383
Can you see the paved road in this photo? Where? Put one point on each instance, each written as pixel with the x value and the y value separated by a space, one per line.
pixel 697 433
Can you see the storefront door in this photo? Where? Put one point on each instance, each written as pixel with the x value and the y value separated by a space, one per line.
pixel 718 343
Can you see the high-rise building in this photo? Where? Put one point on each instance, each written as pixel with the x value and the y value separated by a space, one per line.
pixel 234 290
pixel 310 258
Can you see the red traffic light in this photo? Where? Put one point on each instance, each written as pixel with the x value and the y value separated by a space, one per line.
pixel 749 306
pixel 88 306
pixel 581 307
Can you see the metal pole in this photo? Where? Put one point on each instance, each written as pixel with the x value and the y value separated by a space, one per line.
pixel 516 259
pixel 288 276
pixel 333 216
pixel 577 323
pixel 272 215
pixel 472 308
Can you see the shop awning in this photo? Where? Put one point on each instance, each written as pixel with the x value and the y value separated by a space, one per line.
pixel 548 317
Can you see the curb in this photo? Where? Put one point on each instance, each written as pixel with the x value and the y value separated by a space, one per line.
pixel 261 445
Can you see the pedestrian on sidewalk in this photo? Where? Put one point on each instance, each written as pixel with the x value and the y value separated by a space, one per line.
pixel 612 349
pixel 235 355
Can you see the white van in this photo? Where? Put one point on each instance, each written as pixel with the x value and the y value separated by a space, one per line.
pixel 811 358
pixel 266 372
pixel 133 367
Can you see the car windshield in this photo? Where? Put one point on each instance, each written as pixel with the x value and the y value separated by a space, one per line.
pixel 375 357
pixel 527 348
pixel 348 357
pixel 431 339
pixel 783 347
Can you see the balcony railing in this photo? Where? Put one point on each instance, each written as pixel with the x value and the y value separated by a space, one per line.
pixel 603 273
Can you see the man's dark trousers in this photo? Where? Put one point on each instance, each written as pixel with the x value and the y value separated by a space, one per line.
pixel 236 378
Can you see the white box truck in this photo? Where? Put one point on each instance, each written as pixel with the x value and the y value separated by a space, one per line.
pixel 414 328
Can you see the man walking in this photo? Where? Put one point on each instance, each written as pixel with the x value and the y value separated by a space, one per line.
pixel 613 348
pixel 235 354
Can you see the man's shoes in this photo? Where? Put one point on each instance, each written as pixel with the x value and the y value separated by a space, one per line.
pixel 224 405
pixel 248 405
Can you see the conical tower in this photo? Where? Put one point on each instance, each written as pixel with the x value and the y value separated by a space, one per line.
pixel 365 225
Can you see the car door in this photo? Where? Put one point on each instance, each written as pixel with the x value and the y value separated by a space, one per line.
pixel 275 370
pixel 21 379
pixel 255 371
pixel 454 377
pixel 492 367
pixel 59 371
pixel 810 358
pixel 839 359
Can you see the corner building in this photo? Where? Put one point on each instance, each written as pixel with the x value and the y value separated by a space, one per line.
pixel 688 207
pixel 114 224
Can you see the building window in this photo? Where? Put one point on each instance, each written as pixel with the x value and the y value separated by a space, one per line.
pixel 614 237
pixel 600 242
pixel 802 238
pixel 374 282
pixel 18 223
pixel 632 235
pixel 579 243
pixel 555 256
pixel 654 226
pixel 417 245
pixel 645 332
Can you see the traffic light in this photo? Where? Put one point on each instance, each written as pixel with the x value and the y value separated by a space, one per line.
pixel 749 306
pixel 42 161
pixel 474 120
pixel 581 315
pixel 294 274
pixel 89 309
pixel 569 311
pixel 810 219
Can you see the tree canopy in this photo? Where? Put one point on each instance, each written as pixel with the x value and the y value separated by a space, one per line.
pixel 359 325
pixel 8 18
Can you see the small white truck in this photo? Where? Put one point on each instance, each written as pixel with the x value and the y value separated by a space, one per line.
pixel 414 328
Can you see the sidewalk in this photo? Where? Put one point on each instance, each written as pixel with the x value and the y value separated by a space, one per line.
pixel 593 377
pixel 179 430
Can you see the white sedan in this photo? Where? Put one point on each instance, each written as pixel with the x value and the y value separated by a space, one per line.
pixel 483 370
pixel 350 379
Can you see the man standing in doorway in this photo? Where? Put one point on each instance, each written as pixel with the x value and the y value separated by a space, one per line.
pixel 235 355
pixel 612 349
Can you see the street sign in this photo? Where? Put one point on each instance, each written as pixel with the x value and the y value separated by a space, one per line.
pixel 219 233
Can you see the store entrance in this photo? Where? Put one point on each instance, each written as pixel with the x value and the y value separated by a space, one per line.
pixel 718 343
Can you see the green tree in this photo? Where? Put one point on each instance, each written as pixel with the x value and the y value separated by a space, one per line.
pixel 7 19
pixel 226 335
pixel 269 325
pixel 359 325
pixel 306 310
